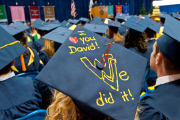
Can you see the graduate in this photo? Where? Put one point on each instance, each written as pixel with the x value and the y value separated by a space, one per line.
pixel 29 61
pixel 19 96
pixel 163 103
pixel 83 21
pixel 113 32
pixel 88 88
pixel 134 39
pixel 55 37
pixel 94 3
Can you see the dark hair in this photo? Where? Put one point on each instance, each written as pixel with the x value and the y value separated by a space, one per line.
pixel 150 33
pixel 162 20
pixel 120 20
pixel 23 41
pixel 137 42
pixel 95 1
pixel 6 69
pixel 168 64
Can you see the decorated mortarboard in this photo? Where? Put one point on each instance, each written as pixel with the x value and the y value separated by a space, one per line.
pixel 66 24
pixel 121 16
pixel 83 19
pixel 169 43
pixel 137 24
pixel 73 21
pixel 101 81
pixel 96 28
pixel 10 48
pixel 38 23
pixel 58 35
pixel 114 24
pixel 49 27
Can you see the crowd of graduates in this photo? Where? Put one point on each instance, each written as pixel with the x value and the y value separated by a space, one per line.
pixel 149 50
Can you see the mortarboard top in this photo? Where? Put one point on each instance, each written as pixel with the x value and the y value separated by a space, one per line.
pixel 169 43
pixel 97 22
pixel 164 15
pixel 58 35
pixel 175 15
pixel 10 48
pixel 112 91
pixel 72 27
pixel 66 24
pixel 55 22
pixel 38 23
pixel 154 26
pixel 114 23
pixel 96 28
pixel 97 18
pixel 84 19
pixel 137 24
pixel 73 21
pixel 106 20
pixel 49 27
pixel 121 16
pixel 16 28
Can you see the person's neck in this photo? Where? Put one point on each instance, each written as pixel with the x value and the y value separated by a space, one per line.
pixel 162 73
pixel 5 74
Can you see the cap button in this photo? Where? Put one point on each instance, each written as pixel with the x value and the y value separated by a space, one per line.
pixel 100 66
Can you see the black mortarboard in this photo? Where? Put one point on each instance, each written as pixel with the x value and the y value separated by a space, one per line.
pixel 66 24
pixel 73 21
pixel 169 43
pixel 38 23
pixel 112 90
pixel 96 28
pixel 58 35
pixel 10 48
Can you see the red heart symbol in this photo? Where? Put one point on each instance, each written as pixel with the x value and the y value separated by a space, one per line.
pixel 74 40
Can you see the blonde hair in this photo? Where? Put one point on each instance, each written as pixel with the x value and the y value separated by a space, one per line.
pixel 49 47
pixel 116 36
pixel 63 108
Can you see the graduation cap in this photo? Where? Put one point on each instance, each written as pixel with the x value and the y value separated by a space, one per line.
pixel 73 21
pixel 3 23
pixel 10 48
pixel 163 15
pixel 66 24
pixel 16 29
pixel 114 23
pixel 55 22
pixel 100 83
pixel 121 16
pixel 96 18
pixel 169 43
pixel 58 35
pixel 38 23
pixel 83 19
pixel 97 28
pixel 154 26
pixel 97 22
pixel 175 15
pixel 49 27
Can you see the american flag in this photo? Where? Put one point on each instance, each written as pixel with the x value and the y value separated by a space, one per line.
pixel 73 9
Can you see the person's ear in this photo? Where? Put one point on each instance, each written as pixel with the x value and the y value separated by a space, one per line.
pixel 13 62
pixel 159 59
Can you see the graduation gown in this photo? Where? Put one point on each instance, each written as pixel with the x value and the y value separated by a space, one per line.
pixel 32 62
pixel 163 103
pixel 19 97
pixel 44 57
pixel 38 44
pixel 122 30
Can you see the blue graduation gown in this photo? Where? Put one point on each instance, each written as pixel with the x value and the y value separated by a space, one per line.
pixel 163 103
pixel 44 57
pixel 34 66
pixel 122 30
pixel 19 97
pixel 38 44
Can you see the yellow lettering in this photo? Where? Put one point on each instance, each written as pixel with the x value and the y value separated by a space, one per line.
pixel 82 39
pixel 110 99
pixel 71 48
pixel 87 39
pixel 79 49
pixel 81 33
pixel 123 73
pixel 100 99
pixel 92 47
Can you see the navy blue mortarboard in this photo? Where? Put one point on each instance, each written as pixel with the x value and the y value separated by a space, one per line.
pixel 16 29
pixel 154 26
pixel 97 18
pixel 175 15
pixel 38 23
pixel 66 24
pixel 121 16
pixel 164 15
pixel 10 48
pixel 73 21
pixel 49 27
pixel 96 28
pixel 83 19
pixel 114 23
pixel 58 35
pixel 169 43
pixel 55 22
pixel 98 22
pixel 100 83
pixel 137 24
